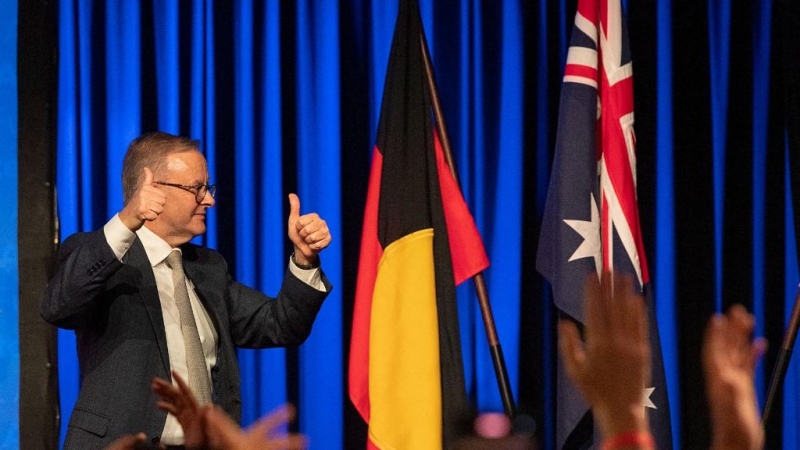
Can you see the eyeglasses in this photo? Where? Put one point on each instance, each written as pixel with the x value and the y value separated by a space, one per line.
pixel 199 190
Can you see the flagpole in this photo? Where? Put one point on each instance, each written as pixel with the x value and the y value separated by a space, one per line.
pixel 782 363
pixel 792 123
pixel 480 284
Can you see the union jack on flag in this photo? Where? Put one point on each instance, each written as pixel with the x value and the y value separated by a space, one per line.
pixel 591 218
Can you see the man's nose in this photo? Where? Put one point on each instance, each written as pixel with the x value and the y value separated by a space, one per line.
pixel 208 200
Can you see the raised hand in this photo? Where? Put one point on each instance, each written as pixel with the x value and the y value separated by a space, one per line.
pixel 209 426
pixel 612 367
pixel 180 402
pixel 729 360
pixel 145 205
pixel 309 233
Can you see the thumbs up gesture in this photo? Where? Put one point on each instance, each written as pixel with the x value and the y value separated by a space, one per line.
pixel 145 205
pixel 308 232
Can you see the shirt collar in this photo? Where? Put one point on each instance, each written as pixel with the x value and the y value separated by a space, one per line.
pixel 156 248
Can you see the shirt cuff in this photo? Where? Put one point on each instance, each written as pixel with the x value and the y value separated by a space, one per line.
pixel 310 277
pixel 118 236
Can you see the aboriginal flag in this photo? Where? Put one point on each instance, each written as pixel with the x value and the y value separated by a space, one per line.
pixel 419 241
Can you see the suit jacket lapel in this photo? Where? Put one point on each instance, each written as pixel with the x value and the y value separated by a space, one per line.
pixel 137 259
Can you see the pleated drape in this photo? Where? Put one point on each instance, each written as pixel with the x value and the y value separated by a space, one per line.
pixel 285 96
pixel 10 326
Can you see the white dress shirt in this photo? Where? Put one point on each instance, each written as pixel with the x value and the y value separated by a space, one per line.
pixel 120 238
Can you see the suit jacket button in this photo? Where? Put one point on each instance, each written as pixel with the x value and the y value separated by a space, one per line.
pixel 155 440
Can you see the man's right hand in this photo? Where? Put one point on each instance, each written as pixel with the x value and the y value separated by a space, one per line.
pixel 145 205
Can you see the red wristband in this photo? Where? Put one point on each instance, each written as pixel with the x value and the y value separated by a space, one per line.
pixel 641 439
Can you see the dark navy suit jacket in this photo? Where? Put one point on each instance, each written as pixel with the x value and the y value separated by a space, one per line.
pixel 115 311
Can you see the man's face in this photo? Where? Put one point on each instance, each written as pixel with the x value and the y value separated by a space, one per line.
pixel 183 217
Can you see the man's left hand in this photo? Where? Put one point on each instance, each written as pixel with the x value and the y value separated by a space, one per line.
pixel 309 233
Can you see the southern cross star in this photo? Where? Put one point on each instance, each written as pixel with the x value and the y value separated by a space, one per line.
pixel 590 232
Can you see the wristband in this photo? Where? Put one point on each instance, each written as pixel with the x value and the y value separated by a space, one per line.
pixel 641 439
pixel 305 266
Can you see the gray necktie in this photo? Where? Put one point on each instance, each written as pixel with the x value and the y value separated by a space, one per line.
pixel 195 359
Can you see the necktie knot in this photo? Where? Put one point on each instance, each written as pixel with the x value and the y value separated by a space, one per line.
pixel 175 260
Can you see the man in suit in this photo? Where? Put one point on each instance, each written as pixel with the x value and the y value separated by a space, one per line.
pixel 144 301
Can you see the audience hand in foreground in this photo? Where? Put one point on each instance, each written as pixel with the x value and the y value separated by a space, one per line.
pixel 613 365
pixel 180 402
pixel 729 360
pixel 128 442
pixel 264 434
pixel 210 427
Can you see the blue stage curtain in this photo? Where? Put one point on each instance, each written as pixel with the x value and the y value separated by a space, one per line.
pixel 285 96
pixel 9 272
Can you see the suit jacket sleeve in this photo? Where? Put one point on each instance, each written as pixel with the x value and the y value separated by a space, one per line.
pixel 259 321
pixel 86 262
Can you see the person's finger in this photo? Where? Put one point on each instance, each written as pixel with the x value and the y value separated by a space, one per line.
pixel 148 177
pixel 289 442
pixel 307 224
pixel 571 349
pixel 127 442
pixel 616 304
pixel 221 430
pixel 749 350
pixel 186 392
pixel 593 314
pixel 155 207
pixel 278 417
pixel 166 393
pixel 321 243
pixel 294 208
pixel 165 390
pixel 739 335
pixel 181 384
pixel 632 310
pixel 168 407
pixel 313 232
pixel 605 304
pixel 758 349
pixel 713 346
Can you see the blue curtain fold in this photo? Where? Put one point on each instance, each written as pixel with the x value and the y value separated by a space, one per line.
pixel 9 229
pixel 285 96
pixel 664 192
pixel 319 152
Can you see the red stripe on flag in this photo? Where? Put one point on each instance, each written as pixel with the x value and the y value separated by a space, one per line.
pixel 466 247
pixel 579 70
pixel 617 155
pixel 588 9
pixel 371 253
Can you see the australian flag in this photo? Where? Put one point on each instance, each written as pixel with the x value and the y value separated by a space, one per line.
pixel 591 219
